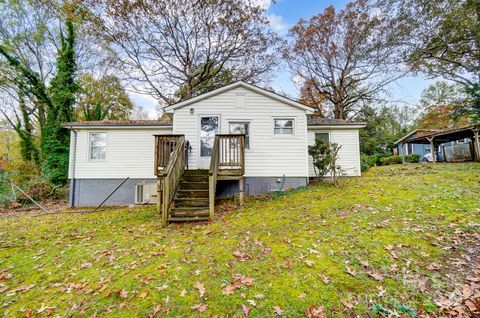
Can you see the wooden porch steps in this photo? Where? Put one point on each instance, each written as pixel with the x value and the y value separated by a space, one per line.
pixel 191 200
pixel 189 195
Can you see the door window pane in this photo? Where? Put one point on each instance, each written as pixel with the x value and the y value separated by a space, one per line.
pixel 208 130
pixel 241 128
pixel 283 127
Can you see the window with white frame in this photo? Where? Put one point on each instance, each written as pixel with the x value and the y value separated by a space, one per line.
pixel 98 145
pixel 241 128
pixel 325 137
pixel 283 126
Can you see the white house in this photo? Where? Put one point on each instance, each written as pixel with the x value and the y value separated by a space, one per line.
pixel 277 132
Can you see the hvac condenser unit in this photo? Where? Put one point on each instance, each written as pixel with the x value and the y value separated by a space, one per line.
pixel 145 193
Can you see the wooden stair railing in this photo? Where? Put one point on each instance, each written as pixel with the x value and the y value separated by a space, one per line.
pixel 169 167
pixel 227 163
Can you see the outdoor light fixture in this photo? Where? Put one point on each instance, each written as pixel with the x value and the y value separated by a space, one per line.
pixel 191 111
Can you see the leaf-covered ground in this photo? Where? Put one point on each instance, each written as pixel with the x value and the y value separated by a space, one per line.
pixel 396 240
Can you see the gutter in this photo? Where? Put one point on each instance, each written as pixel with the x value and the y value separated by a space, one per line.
pixel 117 126
pixel 338 126
pixel 72 181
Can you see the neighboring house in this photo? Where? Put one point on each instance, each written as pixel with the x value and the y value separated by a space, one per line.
pixel 404 146
pixel 449 144
pixel 277 134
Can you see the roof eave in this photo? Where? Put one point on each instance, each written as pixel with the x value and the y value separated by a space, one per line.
pixel 405 137
pixel 100 126
pixel 344 126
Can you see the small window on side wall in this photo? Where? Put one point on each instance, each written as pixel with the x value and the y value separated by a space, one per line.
pixel 323 137
pixel 283 126
pixel 98 145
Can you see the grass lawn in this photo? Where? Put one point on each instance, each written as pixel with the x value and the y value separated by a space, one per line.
pixel 390 241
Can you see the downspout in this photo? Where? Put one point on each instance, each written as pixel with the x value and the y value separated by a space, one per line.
pixel 72 181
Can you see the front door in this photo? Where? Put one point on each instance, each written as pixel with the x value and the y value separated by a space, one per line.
pixel 209 127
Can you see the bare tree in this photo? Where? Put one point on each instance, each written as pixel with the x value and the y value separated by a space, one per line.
pixel 164 46
pixel 343 57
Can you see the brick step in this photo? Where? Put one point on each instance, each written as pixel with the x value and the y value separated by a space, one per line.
pixel 193 193
pixel 191 202
pixel 193 185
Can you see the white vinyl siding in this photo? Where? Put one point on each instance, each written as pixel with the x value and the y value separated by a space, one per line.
pixel 269 155
pixel 130 153
pixel 349 153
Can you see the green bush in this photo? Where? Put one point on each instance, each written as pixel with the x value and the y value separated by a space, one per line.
pixel 413 158
pixel 392 160
pixel 367 162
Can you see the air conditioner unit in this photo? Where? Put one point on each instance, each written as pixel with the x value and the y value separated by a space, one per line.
pixel 145 193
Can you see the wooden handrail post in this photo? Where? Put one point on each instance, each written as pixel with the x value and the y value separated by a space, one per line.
pixel 172 164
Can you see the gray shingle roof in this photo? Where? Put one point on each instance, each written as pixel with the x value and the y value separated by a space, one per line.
pixel 318 121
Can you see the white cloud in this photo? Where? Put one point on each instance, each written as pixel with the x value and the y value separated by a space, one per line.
pixel 147 102
pixel 277 23
pixel 265 4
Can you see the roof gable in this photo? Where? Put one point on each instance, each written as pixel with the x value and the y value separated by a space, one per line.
pixel 241 84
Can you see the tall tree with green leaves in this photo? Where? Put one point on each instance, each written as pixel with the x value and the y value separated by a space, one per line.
pixel 103 98
pixel 385 125
pixel 52 97
pixel 55 144
pixel 441 38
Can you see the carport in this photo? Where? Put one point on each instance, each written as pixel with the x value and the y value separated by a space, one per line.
pixel 435 139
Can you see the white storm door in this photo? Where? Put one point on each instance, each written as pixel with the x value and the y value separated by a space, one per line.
pixel 209 127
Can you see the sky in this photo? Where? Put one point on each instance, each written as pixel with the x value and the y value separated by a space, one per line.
pixel 283 14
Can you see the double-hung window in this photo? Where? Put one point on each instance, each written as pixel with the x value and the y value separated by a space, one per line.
pixel 98 145
pixel 241 128
pixel 323 137
pixel 283 126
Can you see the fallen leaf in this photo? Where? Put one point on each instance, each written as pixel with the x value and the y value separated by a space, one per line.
pixel 201 288
pixel 350 271
pixel 315 312
pixel 241 256
pixel 324 278
pixel 200 307
pixel 277 311
pixel 347 304
pixel 288 264
pixel 375 276
pixel 245 310
pixel 123 293
pixel 309 263
pixel 381 291
pixel 43 308
pixel 228 290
